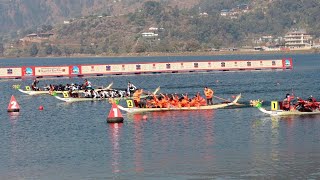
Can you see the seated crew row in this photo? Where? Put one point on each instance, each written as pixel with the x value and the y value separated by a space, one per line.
pixel 173 100
pixel 109 93
pixel 290 103
pixel 131 88
pixel 52 87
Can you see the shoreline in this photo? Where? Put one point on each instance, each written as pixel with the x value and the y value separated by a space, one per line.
pixel 160 54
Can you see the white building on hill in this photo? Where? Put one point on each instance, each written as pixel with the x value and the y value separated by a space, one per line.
pixel 298 40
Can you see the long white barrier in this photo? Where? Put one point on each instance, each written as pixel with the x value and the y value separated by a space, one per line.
pixel 137 68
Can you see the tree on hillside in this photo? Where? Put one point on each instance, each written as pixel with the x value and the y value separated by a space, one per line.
pixel 152 8
pixel 46 28
pixel 34 50
pixel 48 49
pixel 56 51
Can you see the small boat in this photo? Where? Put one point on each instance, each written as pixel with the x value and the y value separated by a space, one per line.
pixel 278 112
pixel 215 106
pixel 32 92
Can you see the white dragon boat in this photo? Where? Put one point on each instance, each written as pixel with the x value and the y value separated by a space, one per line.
pixel 214 106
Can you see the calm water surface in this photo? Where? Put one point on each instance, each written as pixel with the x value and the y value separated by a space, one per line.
pixel 73 141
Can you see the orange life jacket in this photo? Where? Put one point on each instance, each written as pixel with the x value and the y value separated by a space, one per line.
pixel 137 94
pixel 208 93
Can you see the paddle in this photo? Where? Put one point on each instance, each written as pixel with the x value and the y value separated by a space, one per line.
pixel 226 100
pixel 16 86
pixel 109 86
pixel 156 90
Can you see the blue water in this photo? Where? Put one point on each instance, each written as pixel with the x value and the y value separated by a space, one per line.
pixel 73 141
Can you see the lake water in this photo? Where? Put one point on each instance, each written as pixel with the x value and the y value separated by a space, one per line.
pixel 73 141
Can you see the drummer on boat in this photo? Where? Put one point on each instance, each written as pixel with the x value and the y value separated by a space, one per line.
pixel 209 94
pixel 87 84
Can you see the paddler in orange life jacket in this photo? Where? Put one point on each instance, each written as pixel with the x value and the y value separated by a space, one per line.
pixel 209 94
pixel 137 98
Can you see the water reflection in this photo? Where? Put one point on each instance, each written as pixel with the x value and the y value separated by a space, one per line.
pixel 209 134
pixel 265 137
pixel 138 141
pixel 115 129
pixel 13 117
pixel 191 131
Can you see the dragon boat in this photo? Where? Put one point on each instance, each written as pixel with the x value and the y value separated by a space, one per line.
pixel 68 99
pixel 31 92
pixel 72 99
pixel 208 107
pixel 275 111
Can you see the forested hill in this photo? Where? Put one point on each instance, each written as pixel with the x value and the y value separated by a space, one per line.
pixel 22 14
pixel 199 28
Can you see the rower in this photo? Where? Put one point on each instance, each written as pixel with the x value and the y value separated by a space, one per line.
pixel 286 103
pixel 46 87
pixel 137 98
pixel 87 94
pixel 312 99
pixel 209 94
pixel 34 85
pixel 94 94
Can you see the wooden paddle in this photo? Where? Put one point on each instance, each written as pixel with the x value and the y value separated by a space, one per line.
pixel 109 86
pixel 238 104
pixel 156 90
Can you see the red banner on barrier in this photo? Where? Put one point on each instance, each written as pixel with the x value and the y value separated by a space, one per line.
pixel 75 70
pixel 287 63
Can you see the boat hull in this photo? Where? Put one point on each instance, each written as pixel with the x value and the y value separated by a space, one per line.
pixel 70 100
pixel 36 92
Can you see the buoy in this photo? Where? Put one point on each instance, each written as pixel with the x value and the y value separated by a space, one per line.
pixel 144 117
pixel 115 115
pixel 40 108
pixel 233 96
pixel 13 105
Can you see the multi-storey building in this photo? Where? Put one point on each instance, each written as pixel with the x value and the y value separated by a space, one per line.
pixel 298 40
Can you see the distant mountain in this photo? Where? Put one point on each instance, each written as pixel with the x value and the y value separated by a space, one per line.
pixel 139 26
pixel 17 14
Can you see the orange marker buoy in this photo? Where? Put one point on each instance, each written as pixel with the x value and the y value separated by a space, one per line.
pixel 13 105
pixel 40 108
pixel 115 115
